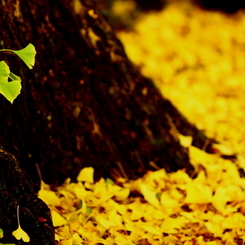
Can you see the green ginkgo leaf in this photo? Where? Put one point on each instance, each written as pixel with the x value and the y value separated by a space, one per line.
pixel 4 71
pixel 10 84
pixel 10 89
pixel 13 77
pixel 27 54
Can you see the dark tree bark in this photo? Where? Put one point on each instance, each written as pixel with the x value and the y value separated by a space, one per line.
pixel 84 103
pixel 16 190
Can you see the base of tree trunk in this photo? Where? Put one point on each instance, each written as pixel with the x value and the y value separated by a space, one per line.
pixel 15 190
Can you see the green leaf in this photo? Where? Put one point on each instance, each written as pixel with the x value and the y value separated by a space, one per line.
pixel 4 71
pixel 12 76
pixel 1 233
pixel 27 54
pixel 7 244
pixel 10 89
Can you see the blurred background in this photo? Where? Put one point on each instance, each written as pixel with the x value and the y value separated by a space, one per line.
pixel 121 13
pixel 194 51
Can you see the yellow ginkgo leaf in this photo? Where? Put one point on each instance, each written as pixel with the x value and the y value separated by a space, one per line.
pixel 86 174
pixel 223 149
pixel 196 193
pixel 151 229
pixel 49 197
pixel 44 186
pixel 104 222
pixel 57 219
pixel 185 140
pixel 170 224
pixel 77 240
pixel 114 217
pixel 216 229
pixel 21 234
pixel 149 195
pixel 122 194
pixel 220 198
pixel 66 242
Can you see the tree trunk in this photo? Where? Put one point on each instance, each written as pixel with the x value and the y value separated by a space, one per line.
pixel 84 103
pixel 17 191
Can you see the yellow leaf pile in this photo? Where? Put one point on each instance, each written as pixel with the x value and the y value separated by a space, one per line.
pixel 159 208
pixel 197 59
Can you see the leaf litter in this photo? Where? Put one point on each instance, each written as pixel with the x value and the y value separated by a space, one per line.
pixel 160 208
pixel 197 60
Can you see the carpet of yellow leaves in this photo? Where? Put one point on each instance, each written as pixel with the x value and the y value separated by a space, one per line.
pixel 197 60
pixel 159 208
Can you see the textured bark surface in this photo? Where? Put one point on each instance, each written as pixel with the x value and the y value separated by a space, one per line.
pixel 15 190
pixel 84 103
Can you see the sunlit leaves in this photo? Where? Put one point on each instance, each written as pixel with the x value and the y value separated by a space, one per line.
pixel 198 193
pixel 86 174
pixel 149 195
pixel 173 203
pixel 58 220
pixel 172 225
pixel 10 84
pixel 27 54
pixel 4 71
pixel 49 197
pixel 9 89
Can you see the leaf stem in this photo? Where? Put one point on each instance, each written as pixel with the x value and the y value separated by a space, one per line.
pixel 18 218
pixel 6 50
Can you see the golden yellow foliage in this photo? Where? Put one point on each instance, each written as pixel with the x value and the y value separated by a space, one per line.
pixel 163 208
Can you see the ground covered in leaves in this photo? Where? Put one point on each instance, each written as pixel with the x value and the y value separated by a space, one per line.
pixel 197 60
